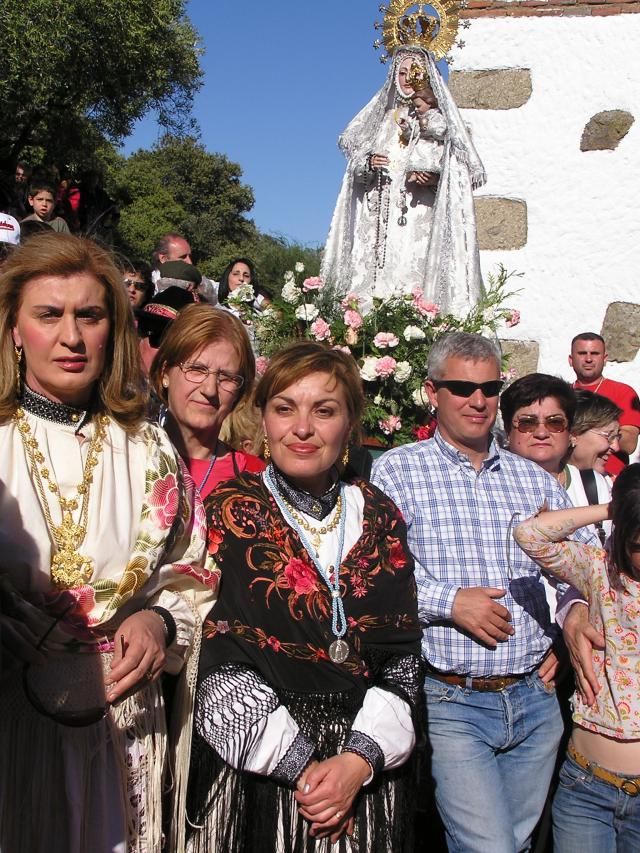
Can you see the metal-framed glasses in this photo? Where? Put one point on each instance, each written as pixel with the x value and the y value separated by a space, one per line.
pixel 197 373
pixel 530 423
pixel 612 437
pixel 140 286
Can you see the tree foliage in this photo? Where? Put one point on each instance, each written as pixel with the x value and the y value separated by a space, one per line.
pixel 76 72
pixel 179 186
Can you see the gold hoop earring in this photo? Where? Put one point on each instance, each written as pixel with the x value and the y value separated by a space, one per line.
pixel 266 450
pixel 18 354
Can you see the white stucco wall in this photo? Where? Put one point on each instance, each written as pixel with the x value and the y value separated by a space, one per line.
pixel 583 248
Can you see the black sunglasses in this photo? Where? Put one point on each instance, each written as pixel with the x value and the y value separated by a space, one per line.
pixel 460 388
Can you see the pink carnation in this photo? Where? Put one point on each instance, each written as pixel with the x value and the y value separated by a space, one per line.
pixel 313 283
pixel 386 366
pixel 385 339
pixel 320 329
pixel 351 300
pixel 508 375
pixel 427 309
pixel 262 362
pixel 390 425
pixel 342 349
pixel 353 319
pixel 513 318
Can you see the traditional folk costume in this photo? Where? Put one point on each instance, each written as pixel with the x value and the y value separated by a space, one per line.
pixel 300 662
pixel 94 783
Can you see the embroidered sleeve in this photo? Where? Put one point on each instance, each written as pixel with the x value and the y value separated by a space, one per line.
pixel 240 716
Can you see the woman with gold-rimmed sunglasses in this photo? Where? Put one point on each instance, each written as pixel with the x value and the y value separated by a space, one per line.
pixel 101 553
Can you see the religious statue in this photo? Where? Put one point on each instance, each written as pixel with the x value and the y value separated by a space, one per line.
pixel 404 216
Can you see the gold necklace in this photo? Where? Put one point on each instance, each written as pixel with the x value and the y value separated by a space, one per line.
pixel 69 568
pixel 316 532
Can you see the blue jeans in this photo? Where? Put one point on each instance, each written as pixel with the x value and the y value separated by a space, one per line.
pixel 592 816
pixel 492 761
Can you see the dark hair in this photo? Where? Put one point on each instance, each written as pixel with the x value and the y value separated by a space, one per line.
pixel 223 287
pixel 299 359
pixel 625 514
pixel 41 185
pixel 593 411
pixel 588 336
pixel 533 388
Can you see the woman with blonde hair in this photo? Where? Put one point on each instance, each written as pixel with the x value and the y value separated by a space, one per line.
pixel 203 369
pixel 101 575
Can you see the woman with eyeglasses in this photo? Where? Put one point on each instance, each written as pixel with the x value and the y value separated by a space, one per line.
pixel 595 433
pixel 203 368
pixel 102 585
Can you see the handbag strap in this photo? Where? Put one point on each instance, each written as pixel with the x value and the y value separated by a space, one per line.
pixel 588 478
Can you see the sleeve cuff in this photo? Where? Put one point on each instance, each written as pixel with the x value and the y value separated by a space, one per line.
pixel 366 748
pixel 297 757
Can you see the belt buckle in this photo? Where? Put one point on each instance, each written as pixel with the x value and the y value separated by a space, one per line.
pixel 630 787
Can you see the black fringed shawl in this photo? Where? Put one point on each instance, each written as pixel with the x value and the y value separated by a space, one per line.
pixel 274 616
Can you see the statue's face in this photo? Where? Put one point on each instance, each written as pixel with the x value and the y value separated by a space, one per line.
pixel 403 71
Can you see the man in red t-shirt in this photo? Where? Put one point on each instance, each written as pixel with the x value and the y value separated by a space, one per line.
pixel 588 358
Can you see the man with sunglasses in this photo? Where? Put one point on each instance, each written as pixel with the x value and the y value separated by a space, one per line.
pixel 493 717
pixel 588 358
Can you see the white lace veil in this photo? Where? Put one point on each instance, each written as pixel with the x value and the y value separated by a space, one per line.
pixel 462 172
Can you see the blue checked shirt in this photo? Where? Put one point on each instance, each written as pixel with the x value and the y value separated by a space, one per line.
pixel 460 524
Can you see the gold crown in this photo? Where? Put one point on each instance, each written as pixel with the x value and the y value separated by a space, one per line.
pixel 410 24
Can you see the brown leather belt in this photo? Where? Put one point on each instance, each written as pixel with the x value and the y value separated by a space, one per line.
pixel 488 683
pixel 629 784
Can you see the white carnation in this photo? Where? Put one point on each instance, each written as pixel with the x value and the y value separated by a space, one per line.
pixel 420 398
pixel 299 267
pixel 403 371
pixel 368 369
pixel 289 276
pixel 244 293
pixel 307 312
pixel 489 315
pixel 290 293
pixel 378 400
pixel 413 333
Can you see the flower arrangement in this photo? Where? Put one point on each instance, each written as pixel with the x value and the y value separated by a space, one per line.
pixel 390 343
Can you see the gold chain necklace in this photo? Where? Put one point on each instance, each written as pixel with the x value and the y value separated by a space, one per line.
pixel 316 532
pixel 69 568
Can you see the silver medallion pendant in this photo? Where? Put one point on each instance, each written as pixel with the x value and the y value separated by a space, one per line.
pixel 339 651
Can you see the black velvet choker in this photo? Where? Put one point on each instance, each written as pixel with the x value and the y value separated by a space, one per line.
pixel 58 413
pixel 316 507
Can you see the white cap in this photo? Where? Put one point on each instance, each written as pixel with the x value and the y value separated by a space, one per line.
pixel 9 230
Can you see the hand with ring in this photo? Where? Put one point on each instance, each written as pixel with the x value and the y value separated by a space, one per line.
pixel 326 792
pixel 139 655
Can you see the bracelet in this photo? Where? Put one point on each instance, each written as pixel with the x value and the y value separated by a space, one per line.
pixel 170 629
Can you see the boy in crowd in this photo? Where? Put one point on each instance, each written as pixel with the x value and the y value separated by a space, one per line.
pixel 42 198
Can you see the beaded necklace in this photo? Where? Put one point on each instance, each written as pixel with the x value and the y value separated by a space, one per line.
pixel 339 649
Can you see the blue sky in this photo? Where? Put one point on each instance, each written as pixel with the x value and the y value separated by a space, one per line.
pixel 281 81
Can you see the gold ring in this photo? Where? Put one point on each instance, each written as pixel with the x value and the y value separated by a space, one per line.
pixel 149 675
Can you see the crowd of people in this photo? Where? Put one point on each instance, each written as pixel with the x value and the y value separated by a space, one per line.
pixel 217 636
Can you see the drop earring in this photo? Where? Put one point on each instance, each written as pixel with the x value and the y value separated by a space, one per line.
pixel 18 354
pixel 345 457
pixel 266 450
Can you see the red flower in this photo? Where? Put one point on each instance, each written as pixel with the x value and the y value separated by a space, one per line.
pixel 425 431
pixel 164 501
pixel 300 576
pixel 274 642
pixel 214 538
pixel 397 555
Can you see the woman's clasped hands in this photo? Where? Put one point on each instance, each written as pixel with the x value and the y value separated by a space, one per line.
pixel 326 791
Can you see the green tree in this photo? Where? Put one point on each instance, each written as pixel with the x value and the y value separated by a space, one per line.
pixel 179 186
pixel 78 72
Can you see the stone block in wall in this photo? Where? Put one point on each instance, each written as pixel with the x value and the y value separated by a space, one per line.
pixel 523 356
pixel 501 222
pixel 502 89
pixel 621 331
pixel 604 130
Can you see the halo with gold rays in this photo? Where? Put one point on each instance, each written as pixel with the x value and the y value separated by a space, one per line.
pixel 410 24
